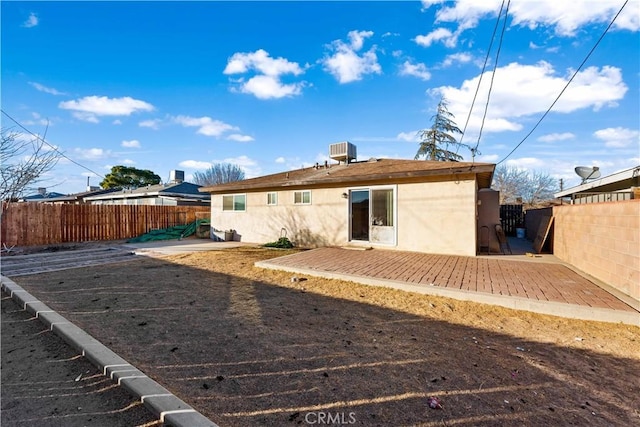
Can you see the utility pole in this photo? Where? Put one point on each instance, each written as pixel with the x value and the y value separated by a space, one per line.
pixel 561 184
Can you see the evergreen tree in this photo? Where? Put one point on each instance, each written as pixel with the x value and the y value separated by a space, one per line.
pixel 129 177
pixel 435 141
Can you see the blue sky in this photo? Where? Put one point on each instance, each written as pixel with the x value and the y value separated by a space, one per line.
pixel 270 85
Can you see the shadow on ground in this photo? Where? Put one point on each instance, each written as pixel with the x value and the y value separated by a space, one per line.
pixel 72 392
pixel 245 352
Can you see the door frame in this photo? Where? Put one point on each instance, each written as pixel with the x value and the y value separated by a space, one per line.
pixel 394 240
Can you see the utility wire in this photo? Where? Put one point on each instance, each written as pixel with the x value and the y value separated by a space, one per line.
pixel 484 67
pixel 568 83
pixel 51 146
pixel 493 75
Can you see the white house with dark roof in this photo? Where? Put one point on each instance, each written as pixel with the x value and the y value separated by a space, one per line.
pixel 171 194
pixel 412 205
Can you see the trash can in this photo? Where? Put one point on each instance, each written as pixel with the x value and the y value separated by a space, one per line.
pixel 203 230
pixel 229 235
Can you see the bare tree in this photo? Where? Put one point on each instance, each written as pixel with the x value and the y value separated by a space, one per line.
pixel 219 173
pixel 519 185
pixel 23 162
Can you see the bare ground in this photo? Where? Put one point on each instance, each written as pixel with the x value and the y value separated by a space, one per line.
pixel 247 346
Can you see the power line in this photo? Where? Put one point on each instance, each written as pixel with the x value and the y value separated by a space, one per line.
pixel 51 146
pixel 493 75
pixel 484 67
pixel 568 83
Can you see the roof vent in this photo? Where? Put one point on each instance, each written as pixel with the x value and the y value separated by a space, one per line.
pixel 342 151
pixel 176 177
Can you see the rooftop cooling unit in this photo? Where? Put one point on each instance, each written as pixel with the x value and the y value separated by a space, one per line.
pixel 342 151
pixel 176 176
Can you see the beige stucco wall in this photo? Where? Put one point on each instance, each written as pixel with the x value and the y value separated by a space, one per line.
pixel 434 217
pixel 438 217
pixel 603 240
pixel 322 223
pixel 488 216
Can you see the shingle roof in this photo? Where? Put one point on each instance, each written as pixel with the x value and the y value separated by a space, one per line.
pixel 374 171
pixel 183 189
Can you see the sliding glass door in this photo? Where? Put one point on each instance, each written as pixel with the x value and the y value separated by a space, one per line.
pixel 372 215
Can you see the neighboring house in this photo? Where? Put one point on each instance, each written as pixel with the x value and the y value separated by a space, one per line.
pixel 412 205
pixel 41 196
pixel 75 199
pixel 172 194
pixel 614 187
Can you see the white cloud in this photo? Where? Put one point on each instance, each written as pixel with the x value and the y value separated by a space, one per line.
pixel 239 138
pixel 153 123
pixel 345 64
pixel 86 117
pixel 488 158
pixel 195 164
pixel 536 87
pixel 117 122
pixel 249 166
pixel 266 84
pixel 128 162
pixel 261 61
pixel 448 38
pixel 267 87
pixel 418 70
pixel 91 153
pixel 45 89
pixel 31 21
pixel 134 143
pixel 460 58
pixel 206 125
pixel 553 137
pixel 530 163
pixel 618 137
pixel 565 17
pixel 280 160
pixel 408 136
pixel 90 107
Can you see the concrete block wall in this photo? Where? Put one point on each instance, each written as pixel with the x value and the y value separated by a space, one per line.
pixel 603 240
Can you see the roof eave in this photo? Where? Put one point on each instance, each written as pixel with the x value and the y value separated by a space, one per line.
pixel 482 169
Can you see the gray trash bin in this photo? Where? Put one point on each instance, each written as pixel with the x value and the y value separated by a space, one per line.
pixel 229 235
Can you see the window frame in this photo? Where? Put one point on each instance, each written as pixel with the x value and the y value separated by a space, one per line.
pixel 270 195
pixel 302 194
pixel 234 202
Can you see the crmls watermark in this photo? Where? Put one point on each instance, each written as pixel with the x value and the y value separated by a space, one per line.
pixel 330 418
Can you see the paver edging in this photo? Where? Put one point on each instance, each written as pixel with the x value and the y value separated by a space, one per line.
pixel 171 410
pixel 517 303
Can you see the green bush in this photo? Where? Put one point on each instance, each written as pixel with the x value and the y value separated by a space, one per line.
pixel 282 243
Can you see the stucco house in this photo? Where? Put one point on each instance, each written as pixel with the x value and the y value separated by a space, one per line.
pixel 174 193
pixel 411 205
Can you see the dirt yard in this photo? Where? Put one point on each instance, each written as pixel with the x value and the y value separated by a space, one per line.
pixel 247 346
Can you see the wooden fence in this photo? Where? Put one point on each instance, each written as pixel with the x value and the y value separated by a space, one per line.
pixel 32 224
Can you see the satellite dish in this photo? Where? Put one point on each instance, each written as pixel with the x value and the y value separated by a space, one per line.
pixel 587 172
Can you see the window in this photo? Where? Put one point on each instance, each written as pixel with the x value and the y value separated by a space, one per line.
pixel 234 202
pixel 272 198
pixel 302 197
